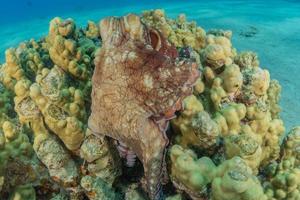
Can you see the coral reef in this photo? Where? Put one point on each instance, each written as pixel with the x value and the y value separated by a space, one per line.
pixel 65 135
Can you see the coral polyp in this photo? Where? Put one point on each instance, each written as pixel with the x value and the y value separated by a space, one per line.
pixel 142 107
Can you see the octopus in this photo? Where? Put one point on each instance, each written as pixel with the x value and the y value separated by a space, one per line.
pixel 138 84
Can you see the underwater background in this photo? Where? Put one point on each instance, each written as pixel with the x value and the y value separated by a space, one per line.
pixel 270 28
pixel 67 136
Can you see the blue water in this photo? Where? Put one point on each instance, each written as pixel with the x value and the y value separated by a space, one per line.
pixel 277 41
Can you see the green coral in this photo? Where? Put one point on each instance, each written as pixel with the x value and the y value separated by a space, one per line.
pixel 284 183
pixel 24 192
pixel 97 189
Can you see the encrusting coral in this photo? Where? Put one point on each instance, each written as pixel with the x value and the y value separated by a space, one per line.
pixel 226 142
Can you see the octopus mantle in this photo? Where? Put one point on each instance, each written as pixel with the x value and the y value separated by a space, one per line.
pixel 138 84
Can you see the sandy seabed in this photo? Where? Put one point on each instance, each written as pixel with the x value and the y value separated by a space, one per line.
pixel 270 28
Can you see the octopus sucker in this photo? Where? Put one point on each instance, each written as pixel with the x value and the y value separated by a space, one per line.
pixel 131 109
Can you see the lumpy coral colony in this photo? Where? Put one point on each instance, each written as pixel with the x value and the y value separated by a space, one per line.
pixel 65 135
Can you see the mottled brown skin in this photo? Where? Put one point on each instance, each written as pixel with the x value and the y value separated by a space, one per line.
pixel 137 86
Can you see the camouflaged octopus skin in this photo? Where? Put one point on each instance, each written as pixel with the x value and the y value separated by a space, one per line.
pixel 138 84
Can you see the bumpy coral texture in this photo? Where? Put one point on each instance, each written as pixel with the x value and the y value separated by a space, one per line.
pixel 227 142
pixel 43 119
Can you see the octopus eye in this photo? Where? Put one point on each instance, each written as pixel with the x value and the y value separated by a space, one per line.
pixel 155 40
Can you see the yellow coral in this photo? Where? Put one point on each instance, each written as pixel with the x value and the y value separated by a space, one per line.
pixel 218 52
pixel 273 98
pixel 31 105
pixel 11 71
pixel 214 56
pixel 189 173
pixel 92 30
pixel 232 79
pixel 179 32
pixel 67 127
pixel 256 84
pixel 234 180
pixel 245 147
pixel 247 59
pixel 65 51
pixel 229 117
pixel 195 126
pixel 217 93
pixel 18 163
pixel 266 130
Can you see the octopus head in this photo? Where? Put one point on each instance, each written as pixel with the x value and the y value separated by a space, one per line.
pixel 117 31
